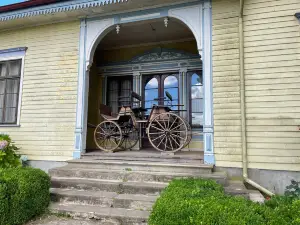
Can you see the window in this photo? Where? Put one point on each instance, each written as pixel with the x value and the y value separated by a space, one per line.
pixel 10 77
pixel 171 86
pixel 196 101
pixel 117 87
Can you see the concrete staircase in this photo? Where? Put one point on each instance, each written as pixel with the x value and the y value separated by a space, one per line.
pixel 121 190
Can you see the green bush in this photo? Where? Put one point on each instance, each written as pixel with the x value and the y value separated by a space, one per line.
pixel 196 201
pixel 24 193
pixel 8 156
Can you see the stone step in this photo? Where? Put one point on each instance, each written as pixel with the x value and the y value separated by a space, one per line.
pixel 238 188
pixel 142 166
pixel 112 216
pixel 103 199
pixel 141 176
pixel 146 159
pixel 144 155
pixel 108 185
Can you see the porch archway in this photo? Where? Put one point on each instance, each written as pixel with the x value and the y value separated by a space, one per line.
pixel 93 31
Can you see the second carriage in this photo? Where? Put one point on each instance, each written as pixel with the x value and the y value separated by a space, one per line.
pixel 165 129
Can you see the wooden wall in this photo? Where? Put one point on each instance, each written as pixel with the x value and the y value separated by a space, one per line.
pixel 226 80
pixel 49 90
pixel 272 79
pixel 272 73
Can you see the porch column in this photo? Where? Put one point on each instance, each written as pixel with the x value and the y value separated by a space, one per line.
pixel 136 87
pixel 183 92
pixel 206 53
pixel 82 96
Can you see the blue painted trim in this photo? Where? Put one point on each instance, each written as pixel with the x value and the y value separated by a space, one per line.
pixel 76 155
pixel 13 53
pixel 298 15
pixel 10 50
pixel 56 7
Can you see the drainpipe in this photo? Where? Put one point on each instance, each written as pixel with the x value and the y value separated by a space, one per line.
pixel 243 107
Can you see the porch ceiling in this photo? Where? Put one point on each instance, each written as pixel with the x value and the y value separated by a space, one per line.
pixel 45 14
pixel 151 31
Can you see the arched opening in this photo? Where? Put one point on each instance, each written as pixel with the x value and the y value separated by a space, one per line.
pixel 154 61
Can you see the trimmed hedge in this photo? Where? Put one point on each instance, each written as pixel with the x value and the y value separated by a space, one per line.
pixel 24 194
pixel 196 201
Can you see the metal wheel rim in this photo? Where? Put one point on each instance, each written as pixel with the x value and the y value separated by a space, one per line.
pixel 126 144
pixel 99 130
pixel 171 138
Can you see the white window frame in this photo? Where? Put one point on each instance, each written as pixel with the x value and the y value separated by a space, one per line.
pixel 15 54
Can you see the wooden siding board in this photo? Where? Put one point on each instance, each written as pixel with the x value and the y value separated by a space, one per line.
pixel 49 90
pixel 272 66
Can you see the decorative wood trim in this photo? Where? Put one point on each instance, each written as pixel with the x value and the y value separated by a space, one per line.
pixel 56 8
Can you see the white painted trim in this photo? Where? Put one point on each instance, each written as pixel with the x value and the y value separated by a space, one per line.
pixel 16 56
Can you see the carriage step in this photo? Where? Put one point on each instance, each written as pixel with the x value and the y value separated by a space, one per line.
pixel 103 199
pixel 140 176
pixel 142 166
pixel 115 216
pixel 108 185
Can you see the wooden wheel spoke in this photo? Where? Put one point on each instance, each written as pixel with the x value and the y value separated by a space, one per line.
pixel 171 144
pixel 159 124
pixel 175 140
pixel 173 123
pixel 158 137
pixel 157 133
pixel 177 136
pixel 176 127
pixel 157 128
pixel 161 140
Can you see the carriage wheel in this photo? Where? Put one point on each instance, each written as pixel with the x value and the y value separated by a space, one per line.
pixel 189 132
pixel 108 136
pixel 168 132
pixel 130 138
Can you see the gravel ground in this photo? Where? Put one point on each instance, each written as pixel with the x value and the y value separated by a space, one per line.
pixel 54 220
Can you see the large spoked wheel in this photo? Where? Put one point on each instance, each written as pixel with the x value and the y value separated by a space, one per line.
pixel 167 132
pixel 108 136
pixel 189 134
pixel 130 138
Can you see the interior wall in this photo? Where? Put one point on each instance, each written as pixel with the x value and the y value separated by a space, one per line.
pixel 125 54
pixel 95 99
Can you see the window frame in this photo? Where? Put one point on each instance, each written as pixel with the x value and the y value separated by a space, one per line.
pixel 10 55
pixel 190 107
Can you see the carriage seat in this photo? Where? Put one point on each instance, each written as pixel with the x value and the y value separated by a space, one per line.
pixel 110 118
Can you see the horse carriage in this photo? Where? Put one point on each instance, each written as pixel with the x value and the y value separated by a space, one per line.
pixel 165 129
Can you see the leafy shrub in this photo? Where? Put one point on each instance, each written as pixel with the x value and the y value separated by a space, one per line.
pixel 293 190
pixel 24 193
pixel 194 201
pixel 8 155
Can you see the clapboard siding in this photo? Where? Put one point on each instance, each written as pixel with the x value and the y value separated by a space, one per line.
pixel 49 90
pixel 226 80
pixel 272 79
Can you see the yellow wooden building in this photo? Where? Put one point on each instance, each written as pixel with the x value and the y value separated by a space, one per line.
pixel 61 60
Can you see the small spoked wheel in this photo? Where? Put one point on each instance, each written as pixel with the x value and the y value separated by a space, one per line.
pixel 130 138
pixel 108 136
pixel 168 132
